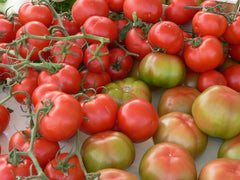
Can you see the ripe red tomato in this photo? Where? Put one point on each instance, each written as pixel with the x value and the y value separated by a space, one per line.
pixel 232 75
pixel 115 5
pixel 4 118
pixel 234 51
pixel 138 119
pixel 35 12
pixel 232 33
pixel 166 35
pixel 149 11
pixel 100 114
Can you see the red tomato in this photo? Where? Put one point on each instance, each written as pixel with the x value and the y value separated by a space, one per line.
pixel 166 35
pixel 120 64
pixel 34 28
pixel 210 78
pixel 96 58
pixel 149 11
pixel 82 9
pixel 74 172
pixel 35 12
pixel 232 75
pixel 234 51
pixel 4 118
pixel 82 42
pixel 232 33
pixel 115 5
pixel 67 77
pixel 176 11
pixel 138 119
pixel 63 119
pixel 191 78
pixel 220 169
pixel 208 23
pixel 68 53
pixel 100 26
pixel 204 57
pixel 70 25
pixel 43 149
pixel 120 23
pixel 100 114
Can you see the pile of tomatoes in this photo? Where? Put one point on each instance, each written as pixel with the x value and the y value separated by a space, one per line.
pixel 92 70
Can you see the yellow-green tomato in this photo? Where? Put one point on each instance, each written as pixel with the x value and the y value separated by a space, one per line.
pixel 216 111
pixel 107 149
pixel 180 128
pixel 162 70
pixel 126 89
pixel 177 99
pixel 230 148
pixel 165 161
pixel 115 174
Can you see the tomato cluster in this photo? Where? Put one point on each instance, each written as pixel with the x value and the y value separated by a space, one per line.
pixel 92 70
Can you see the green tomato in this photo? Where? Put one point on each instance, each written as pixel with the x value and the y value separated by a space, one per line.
pixel 126 89
pixel 162 70
pixel 107 149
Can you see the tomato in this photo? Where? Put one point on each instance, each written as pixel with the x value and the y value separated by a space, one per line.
pixel 230 148
pixel 40 90
pixel 216 111
pixel 232 33
pixel 232 75
pixel 82 42
pixel 10 171
pixel 96 58
pixel 100 26
pixel 120 64
pixel 162 70
pixel 204 57
pixel 234 51
pixel 136 42
pixel 43 149
pixel 4 118
pixel 83 9
pixel 179 98
pixel 120 23
pixel 227 62
pixel 167 161
pixel 59 168
pixel 191 78
pixel 67 77
pixel 99 113
pixel 208 23
pixel 149 11
pixel 210 78
pixel 180 128
pixel 34 28
pixel 107 149
pixel 176 11
pixel 94 80
pixel 35 12
pixel 66 116
pixel 115 5
pixel 68 53
pixel 167 36
pixel 117 174
pixel 220 169
pixel 138 119
pixel 126 89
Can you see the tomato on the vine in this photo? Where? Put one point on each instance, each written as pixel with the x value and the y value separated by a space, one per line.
pixel 4 118
pixel 232 33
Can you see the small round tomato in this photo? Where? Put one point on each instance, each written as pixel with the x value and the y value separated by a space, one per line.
pixel 167 161
pixel 4 118
pixel 232 75
pixel 116 174
pixel 107 149
pixel 138 119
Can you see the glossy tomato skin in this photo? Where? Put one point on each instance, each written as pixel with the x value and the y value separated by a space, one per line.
pixel 216 111
pixel 166 35
pixel 65 116
pixel 35 12
pixel 232 75
pixel 126 89
pixel 232 33
pixel 207 56
pixel 180 128
pixel 138 119
pixel 179 98
pixel 220 169
pixel 149 11
pixel 117 174
pixel 83 9
pixel 100 113
pixel 115 5
pixel 74 173
pixel 234 51
pixel 167 161
pixel 152 69
pixel 107 149
pixel 4 118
